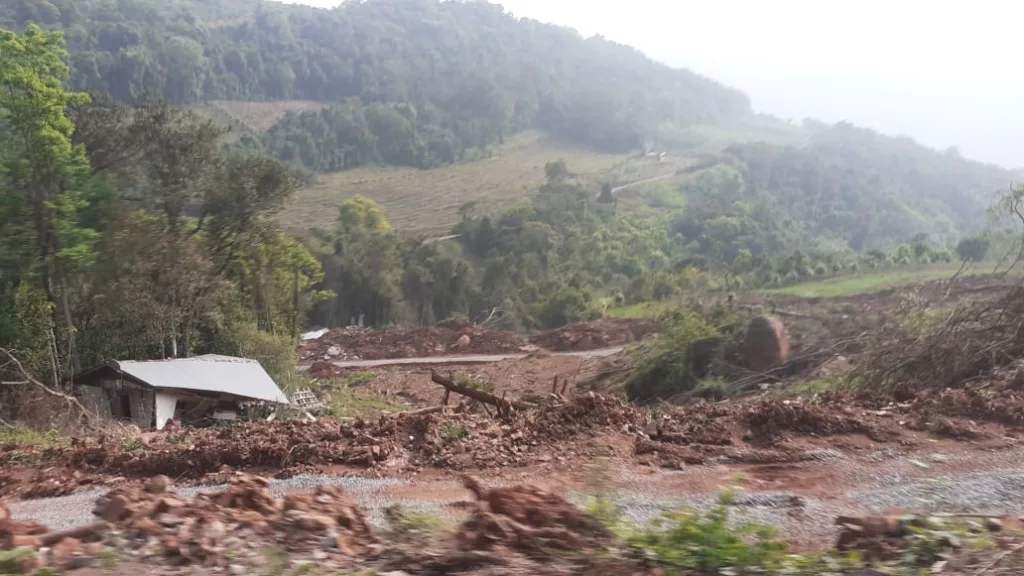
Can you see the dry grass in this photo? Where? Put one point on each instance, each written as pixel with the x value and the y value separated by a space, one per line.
pixel 426 202
pixel 260 116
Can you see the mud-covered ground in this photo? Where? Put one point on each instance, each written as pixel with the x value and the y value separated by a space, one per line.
pixel 462 338
pixel 798 456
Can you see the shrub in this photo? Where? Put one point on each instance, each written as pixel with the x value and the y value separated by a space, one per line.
pixel 665 366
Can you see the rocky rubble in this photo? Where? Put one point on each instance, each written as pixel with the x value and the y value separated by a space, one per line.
pixel 594 335
pixel 209 529
pixel 449 337
pixel 463 439
pixel 223 528
pixel 202 530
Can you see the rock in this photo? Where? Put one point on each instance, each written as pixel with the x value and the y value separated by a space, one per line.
pixel 214 530
pixel 169 520
pixel 165 505
pixel 147 526
pixel 341 543
pixel 318 524
pixel 158 484
pixel 252 519
pixel 65 552
pixel 22 541
pixel 113 509
pixel 766 344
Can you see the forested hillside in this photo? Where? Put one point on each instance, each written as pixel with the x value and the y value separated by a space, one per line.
pixel 413 82
pixel 143 229
pixel 848 187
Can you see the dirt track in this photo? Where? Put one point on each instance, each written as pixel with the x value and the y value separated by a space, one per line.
pixel 468 359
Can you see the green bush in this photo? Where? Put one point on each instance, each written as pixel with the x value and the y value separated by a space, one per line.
pixel 684 542
pixel 665 366
pixel 275 352
pixel 683 354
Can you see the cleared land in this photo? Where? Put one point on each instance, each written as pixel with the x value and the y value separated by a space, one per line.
pixel 260 116
pixel 837 287
pixel 865 283
pixel 426 202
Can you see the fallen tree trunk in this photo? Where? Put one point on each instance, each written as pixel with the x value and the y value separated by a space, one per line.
pixel 478 395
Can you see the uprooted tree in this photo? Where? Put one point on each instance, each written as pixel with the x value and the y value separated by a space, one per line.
pixel 919 348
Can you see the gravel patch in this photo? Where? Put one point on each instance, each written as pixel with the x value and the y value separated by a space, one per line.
pixel 642 500
pixel 990 492
pixel 61 513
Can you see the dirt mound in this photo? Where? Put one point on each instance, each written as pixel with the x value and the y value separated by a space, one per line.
pixel 451 441
pixel 450 337
pixel 203 529
pixel 209 529
pixel 770 420
pixel 193 453
pixel 526 518
pixel 603 333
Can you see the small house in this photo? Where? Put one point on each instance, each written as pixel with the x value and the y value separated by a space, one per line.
pixel 151 393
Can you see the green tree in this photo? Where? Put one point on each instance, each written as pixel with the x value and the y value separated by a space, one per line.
pixel 45 175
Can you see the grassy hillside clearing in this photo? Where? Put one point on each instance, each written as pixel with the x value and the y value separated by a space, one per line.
pixel 837 287
pixel 854 285
pixel 426 202
pixel 260 116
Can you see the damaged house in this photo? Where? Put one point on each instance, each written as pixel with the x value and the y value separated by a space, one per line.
pixel 151 393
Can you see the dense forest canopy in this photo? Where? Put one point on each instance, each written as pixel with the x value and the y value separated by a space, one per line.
pixel 413 82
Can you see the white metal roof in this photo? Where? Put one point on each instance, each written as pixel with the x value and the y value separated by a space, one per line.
pixel 208 373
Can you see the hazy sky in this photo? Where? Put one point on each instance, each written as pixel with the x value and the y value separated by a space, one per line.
pixel 946 73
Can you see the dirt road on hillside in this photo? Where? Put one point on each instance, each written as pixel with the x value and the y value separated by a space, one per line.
pixel 467 359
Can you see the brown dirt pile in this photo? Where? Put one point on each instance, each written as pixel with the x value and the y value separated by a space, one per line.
pixel 769 421
pixel 520 530
pixel 453 441
pixel 527 518
pixel 595 335
pixel 559 431
pixel 193 453
pixel 451 337
pixel 202 530
pixel 48 482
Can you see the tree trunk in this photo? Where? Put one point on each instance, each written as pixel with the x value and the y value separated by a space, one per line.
pixel 75 361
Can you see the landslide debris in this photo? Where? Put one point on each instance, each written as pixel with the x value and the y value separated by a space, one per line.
pixel 459 337
pixel 465 437
pixel 449 337
pixel 604 333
